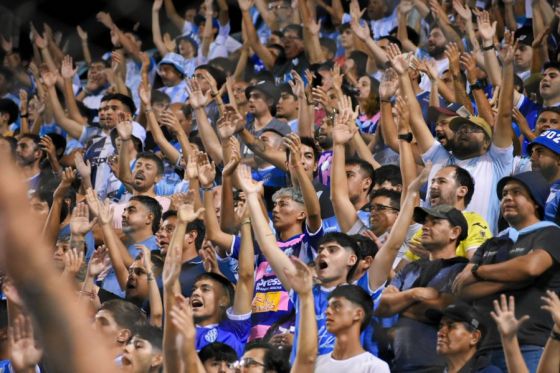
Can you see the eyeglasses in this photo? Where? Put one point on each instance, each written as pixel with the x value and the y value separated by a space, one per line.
pixel 469 129
pixel 379 208
pixel 245 363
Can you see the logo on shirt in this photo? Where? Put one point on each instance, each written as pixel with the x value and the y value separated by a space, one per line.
pixel 211 336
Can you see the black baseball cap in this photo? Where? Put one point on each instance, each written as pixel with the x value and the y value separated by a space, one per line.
pixel 461 312
pixel 450 213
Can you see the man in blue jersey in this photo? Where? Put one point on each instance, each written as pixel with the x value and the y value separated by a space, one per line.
pixel 336 260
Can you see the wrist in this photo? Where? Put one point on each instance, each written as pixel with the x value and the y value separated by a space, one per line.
pixel 206 188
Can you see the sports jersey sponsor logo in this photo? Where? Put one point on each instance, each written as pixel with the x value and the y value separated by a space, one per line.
pixel 267 302
pixel 211 336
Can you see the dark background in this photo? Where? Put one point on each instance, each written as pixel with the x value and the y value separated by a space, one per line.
pixel 65 15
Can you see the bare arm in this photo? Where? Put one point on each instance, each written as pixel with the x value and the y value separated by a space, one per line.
pixel 254 41
pixel 73 128
pixel 172 14
pixel 84 43
pixel 156 30
pixel 503 132
pixel 245 284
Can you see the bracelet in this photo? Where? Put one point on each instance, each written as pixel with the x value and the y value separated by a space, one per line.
pixel 148 110
pixel 554 335
pixel 207 189
pixel 24 115
pixel 246 221
pixel 488 48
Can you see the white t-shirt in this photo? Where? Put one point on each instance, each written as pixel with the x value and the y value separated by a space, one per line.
pixel 486 171
pixel 362 363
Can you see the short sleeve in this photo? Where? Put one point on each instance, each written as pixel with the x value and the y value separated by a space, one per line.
pixel 548 241
pixel 437 154
pixel 479 232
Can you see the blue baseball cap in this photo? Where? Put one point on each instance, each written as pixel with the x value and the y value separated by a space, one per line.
pixel 550 139
pixel 175 60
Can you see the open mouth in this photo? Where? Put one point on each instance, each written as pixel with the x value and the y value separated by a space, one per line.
pixel 139 176
pixel 196 303
pixel 323 264
pixel 125 361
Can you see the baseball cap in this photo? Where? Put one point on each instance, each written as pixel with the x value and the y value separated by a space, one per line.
pixel 471 119
pixel 175 60
pixel 277 126
pixel 267 88
pixel 460 311
pixel 524 35
pixel 533 181
pixel 286 88
pixel 548 139
pixel 450 213
pixel 10 107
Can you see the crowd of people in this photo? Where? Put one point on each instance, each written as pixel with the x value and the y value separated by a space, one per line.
pixel 341 186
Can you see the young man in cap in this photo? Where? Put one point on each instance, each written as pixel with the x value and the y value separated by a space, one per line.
pixel 172 71
pixel 523 262
pixel 523 57
pixel 459 334
pixel 424 284
pixel 545 158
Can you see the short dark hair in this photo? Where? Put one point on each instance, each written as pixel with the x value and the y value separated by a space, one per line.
pixel 35 138
pixel 153 157
pixel 329 44
pixel 159 96
pixel 357 296
pixel 464 178
pixel 169 213
pixel 366 246
pixel 126 314
pixel 294 27
pixel 217 351
pixel 390 173
pixel 224 282
pixel 346 242
pixel 277 360
pixel 365 167
pixel 198 226
pixel 308 141
pixel 124 99
pixel 152 334
pixel 153 206
pixel 394 197
pixel 85 111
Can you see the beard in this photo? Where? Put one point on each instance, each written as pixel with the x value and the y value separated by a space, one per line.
pixel 465 149
pixel 436 52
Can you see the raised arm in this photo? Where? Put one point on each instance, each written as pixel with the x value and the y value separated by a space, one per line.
pixel 381 267
pixel 154 297
pixel 52 224
pixel 266 239
pixel 310 199
pixel 453 54
pixel 482 104
pixel 302 282
pixel 73 128
pixel 68 71
pixel 508 326
pixel 84 42
pixel 172 14
pixel 503 131
pixel 156 30
pixel 342 133
pixel 387 89
pixel 419 127
pixel 246 282
pixel 311 30
pixel 183 322
pixel 487 31
pixel 124 130
pixel 252 37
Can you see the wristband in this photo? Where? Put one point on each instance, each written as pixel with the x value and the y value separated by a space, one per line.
pixel 206 189
pixel 24 115
pixel 554 335
pixel 406 137
pixel 488 48
pixel 246 221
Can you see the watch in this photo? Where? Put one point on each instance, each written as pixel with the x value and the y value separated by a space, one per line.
pixel 474 271
pixel 405 136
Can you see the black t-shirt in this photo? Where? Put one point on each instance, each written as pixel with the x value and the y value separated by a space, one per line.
pixel 536 330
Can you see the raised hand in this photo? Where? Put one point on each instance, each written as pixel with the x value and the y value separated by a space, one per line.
pixel 486 29
pixel 468 63
pixel 226 128
pixel 157 5
pixel 506 54
pixel 297 85
pixel 462 10
pixel 145 93
pixel 206 170
pixel 196 99
pixel 79 222
pixel 209 259
pixel 552 305
pixel 146 257
pixel 182 317
pixel 452 53
pixel 168 119
pixel 234 159
pixel 343 130
pixel 124 129
pixel 40 41
pixel 99 261
pixel 25 354
pixel 245 5
pixel 504 316
pixel 46 144
pixel 49 78
pixel 185 211
pixel 170 44
pixel 66 69
pixel 171 267
pixel 389 84
pixel 293 143
pixel 81 33
pixel 246 182
pixel 105 19
pixel 68 177
pixel 73 260
pixel 302 279
pixel 403 113
pixel 397 59
pixel 361 30
pixel 83 167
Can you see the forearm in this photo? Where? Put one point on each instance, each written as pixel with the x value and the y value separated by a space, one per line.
pixel 240 67
pixel 310 199
pixel 422 8
pixel 86 52
pixel 388 127
pixel 514 358
pixel 491 64
pixel 419 128
pixel 471 36
pixel 73 128
pixel 483 106
pixel 461 96
pixel 165 146
pixel 208 135
pixel 305 118
pixel 228 219
pixel 307 344
pixel 343 208
pixel 70 102
pixel 245 283
pixel 125 175
pixel 363 150
pixel 156 306
pixel 503 132
pixel 47 58
pixel 213 230
pixel 156 34
pixel 509 16
pixel 393 303
pixel 121 270
pixel 266 239
pixel 52 224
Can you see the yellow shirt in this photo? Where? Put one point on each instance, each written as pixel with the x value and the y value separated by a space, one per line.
pixel 478 233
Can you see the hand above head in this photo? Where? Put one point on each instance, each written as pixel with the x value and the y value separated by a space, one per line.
pixel 486 29
pixel 83 167
pixel 99 261
pixel 66 69
pixel 80 224
pixel 157 5
pixel 185 211
pixel 49 78
pixel 73 260
pixel 397 59
pixel 182 317
pixel 124 129
pixel 301 281
pixel 81 33
pixel 24 353
pixel 293 143
pixel 504 316
pixel 145 93
pixel 462 10
pixel 46 144
pixel 235 158
pixel 206 170
pixel 197 100
pixel 246 182
pixel 105 19
pixel 389 84
pixel 67 178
